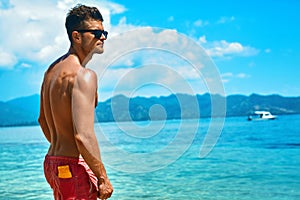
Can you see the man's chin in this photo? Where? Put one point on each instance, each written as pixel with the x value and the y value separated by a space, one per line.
pixel 98 50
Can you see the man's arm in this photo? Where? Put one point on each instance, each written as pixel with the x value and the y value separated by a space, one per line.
pixel 42 119
pixel 83 102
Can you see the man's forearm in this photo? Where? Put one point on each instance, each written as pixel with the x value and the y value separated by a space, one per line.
pixel 89 149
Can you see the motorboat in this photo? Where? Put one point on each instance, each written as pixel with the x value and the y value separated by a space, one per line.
pixel 261 115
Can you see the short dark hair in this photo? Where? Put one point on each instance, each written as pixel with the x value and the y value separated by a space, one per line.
pixel 78 15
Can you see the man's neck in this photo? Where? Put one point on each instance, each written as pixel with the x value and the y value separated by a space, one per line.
pixel 83 59
pixel 73 51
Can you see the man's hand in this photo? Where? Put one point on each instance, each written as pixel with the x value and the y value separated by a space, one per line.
pixel 105 188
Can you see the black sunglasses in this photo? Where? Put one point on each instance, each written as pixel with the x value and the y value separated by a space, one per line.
pixel 96 33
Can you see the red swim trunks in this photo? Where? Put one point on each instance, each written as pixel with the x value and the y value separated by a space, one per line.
pixel 70 178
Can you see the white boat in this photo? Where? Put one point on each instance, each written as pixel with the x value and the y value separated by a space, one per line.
pixel 261 115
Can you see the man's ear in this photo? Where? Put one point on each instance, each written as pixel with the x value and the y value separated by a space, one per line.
pixel 76 36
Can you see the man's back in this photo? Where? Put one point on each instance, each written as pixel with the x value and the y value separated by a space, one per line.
pixel 57 101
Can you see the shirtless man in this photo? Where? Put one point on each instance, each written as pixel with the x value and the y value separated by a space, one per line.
pixel 73 166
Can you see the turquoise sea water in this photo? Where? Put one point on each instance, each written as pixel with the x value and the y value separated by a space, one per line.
pixel 251 160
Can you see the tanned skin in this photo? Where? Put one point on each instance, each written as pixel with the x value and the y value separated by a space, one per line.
pixel 68 100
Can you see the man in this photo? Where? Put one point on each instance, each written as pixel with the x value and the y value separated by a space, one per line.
pixel 73 165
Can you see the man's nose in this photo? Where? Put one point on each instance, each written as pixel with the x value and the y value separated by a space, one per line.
pixel 102 37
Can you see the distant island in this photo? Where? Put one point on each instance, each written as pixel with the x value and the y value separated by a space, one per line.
pixel 25 110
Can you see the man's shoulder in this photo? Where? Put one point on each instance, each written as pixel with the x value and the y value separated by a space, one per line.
pixel 85 74
pixel 86 77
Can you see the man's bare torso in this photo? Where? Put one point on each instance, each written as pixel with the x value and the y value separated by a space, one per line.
pixel 57 101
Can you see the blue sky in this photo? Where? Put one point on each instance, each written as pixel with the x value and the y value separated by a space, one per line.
pixel 254 46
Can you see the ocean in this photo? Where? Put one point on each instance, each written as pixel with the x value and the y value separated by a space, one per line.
pixel 160 160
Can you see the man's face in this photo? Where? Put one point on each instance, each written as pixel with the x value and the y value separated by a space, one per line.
pixel 91 44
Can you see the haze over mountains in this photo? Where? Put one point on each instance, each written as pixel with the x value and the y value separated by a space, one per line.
pixel 25 110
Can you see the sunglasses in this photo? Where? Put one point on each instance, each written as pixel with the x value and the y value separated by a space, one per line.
pixel 96 33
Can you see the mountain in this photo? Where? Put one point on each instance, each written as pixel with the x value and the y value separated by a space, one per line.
pixel 28 104
pixel 20 111
pixel 25 110
pixel 238 105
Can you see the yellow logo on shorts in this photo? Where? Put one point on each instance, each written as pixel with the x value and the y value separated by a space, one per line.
pixel 64 172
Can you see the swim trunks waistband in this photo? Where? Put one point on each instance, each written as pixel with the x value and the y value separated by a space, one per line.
pixel 64 159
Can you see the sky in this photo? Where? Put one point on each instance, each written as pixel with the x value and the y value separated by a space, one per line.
pixel 156 47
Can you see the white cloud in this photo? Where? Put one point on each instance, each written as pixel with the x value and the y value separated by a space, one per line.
pixel 7 60
pixel 242 75
pixel 51 51
pixel 121 27
pixel 64 4
pixel 33 25
pixel 228 76
pixel 227 49
pixel 231 75
pixel 25 65
pixel 202 39
pixel 200 23
pixel 36 30
pixel 224 20
pixel 43 36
